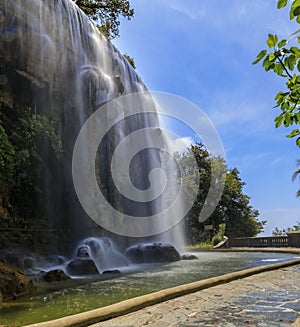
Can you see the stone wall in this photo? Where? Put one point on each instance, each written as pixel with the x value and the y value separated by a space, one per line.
pixel 292 239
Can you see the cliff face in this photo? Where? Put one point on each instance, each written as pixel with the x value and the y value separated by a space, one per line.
pixel 50 48
pixel 55 71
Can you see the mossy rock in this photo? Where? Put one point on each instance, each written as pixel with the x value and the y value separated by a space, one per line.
pixel 13 282
pixel 55 276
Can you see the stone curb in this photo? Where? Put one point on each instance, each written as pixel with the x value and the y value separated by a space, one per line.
pixel 131 305
pixel 244 249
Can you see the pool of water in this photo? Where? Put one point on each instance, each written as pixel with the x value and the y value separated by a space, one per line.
pixel 74 296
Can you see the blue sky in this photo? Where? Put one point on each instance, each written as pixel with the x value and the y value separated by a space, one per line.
pixel 202 50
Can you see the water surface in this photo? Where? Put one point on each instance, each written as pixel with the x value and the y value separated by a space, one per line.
pixel 79 295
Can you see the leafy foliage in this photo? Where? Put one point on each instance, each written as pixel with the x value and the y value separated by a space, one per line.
pixel 130 60
pixel 284 231
pixel 23 139
pixel 233 210
pixel 106 14
pixel 283 58
pixel 7 161
pixel 220 235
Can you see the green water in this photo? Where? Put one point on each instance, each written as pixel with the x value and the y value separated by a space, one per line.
pixel 75 296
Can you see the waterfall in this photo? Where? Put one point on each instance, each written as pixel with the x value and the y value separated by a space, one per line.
pixel 57 63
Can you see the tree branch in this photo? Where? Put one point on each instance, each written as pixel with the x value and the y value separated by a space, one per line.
pixel 287 72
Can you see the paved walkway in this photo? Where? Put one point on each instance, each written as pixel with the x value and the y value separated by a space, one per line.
pixel 268 299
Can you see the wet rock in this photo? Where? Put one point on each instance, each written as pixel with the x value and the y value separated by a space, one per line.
pixel 55 276
pixel 114 271
pixel 188 256
pixel 81 266
pixel 152 252
pixel 13 282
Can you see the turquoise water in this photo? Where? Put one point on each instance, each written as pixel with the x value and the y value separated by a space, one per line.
pixel 61 299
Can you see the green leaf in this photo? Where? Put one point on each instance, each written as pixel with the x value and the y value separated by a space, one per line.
pixel 298 141
pixel 294 10
pixel 272 56
pixel 285 106
pixel 281 3
pixel 290 61
pixel 295 51
pixel 294 133
pixel 272 40
pixel 282 43
pixel 278 69
pixel 280 95
pixel 294 119
pixel 259 57
pixel 287 119
pixel 267 64
pixel 278 120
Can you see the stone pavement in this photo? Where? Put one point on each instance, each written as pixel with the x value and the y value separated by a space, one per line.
pixel 267 299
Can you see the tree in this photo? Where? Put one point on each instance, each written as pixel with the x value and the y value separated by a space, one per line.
pixel 239 215
pixel 106 14
pixel 284 61
pixel 233 210
pixel 282 232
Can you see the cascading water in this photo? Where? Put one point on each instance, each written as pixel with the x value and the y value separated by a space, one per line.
pixel 58 63
pixel 101 251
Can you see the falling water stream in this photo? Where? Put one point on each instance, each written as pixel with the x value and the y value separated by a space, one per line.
pixel 59 64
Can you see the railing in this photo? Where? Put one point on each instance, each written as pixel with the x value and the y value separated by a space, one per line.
pixel 268 241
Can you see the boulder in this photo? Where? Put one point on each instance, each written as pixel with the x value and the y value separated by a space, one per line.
pixel 81 266
pixel 13 282
pixel 188 256
pixel 152 252
pixel 55 276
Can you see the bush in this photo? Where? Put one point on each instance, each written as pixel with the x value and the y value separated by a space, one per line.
pixel 220 235
pixel 217 239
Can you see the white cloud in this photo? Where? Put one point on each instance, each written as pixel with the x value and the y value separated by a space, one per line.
pixel 180 144
pixel 237 111
pixel 191 12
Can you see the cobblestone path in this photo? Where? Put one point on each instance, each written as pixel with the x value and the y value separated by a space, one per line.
pixel 269 299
